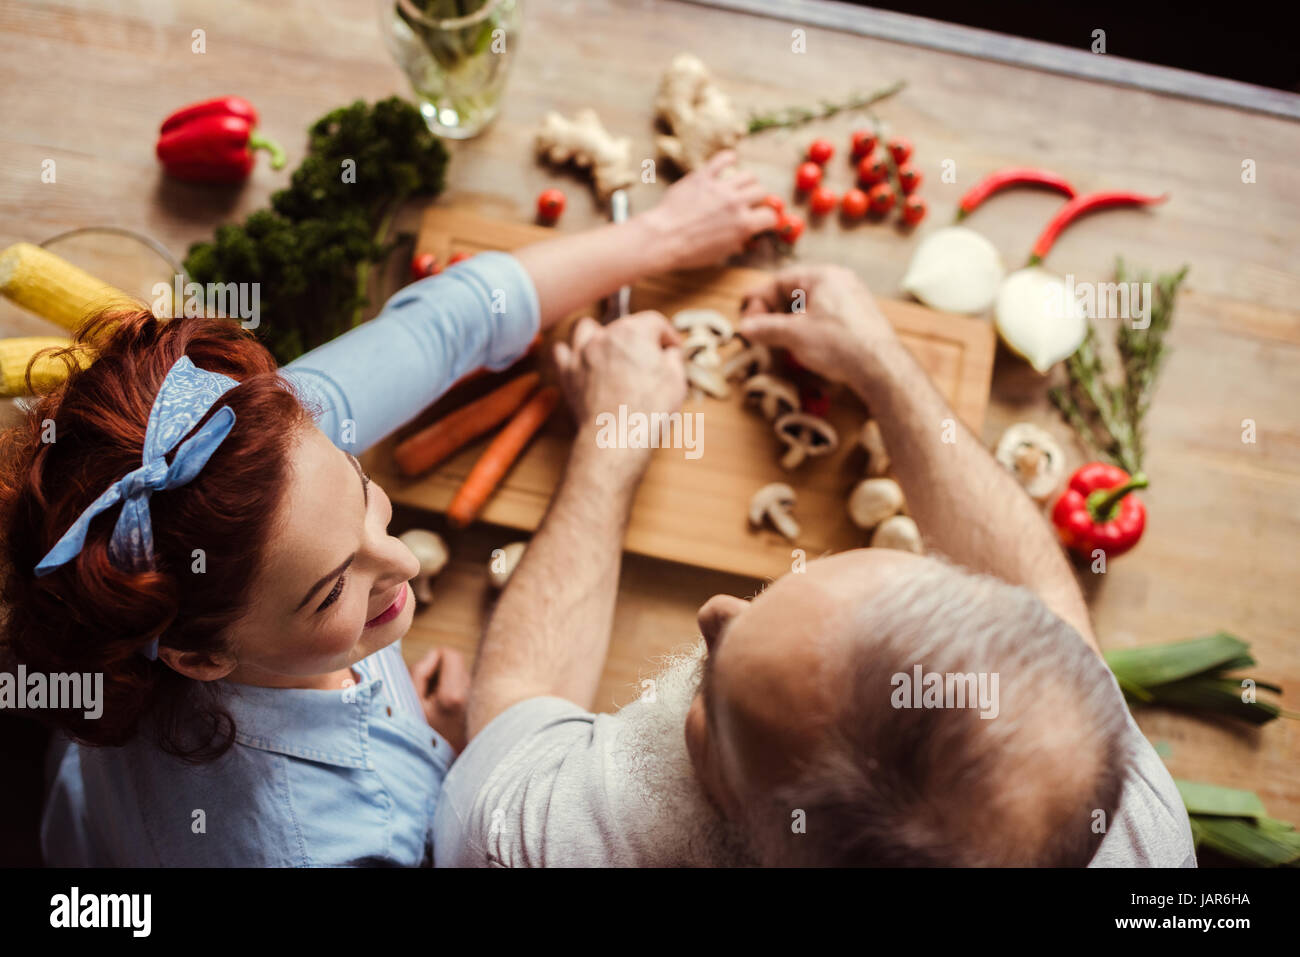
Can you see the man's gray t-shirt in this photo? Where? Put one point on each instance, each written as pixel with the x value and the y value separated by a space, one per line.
pixel 546 784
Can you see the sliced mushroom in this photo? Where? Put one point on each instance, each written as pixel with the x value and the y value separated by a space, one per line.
pixel 710 321
pixel 774 396
pixel 873 500
pixel 503 563
pixel 707 379
pixel 748 362
pixel 431 552
pixel 900 532
pixel 1034 458
pixel 702 349
pixel 874 443
pixel 805 436
pixel 774 503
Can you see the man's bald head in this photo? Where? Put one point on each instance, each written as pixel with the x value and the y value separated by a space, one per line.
pixel 848 700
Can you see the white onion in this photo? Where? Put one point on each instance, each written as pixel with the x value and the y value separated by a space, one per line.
pixel 955 269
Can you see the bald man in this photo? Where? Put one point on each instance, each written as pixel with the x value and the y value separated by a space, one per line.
pixel 877 708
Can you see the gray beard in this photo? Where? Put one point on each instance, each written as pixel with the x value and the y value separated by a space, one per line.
pixel 671 821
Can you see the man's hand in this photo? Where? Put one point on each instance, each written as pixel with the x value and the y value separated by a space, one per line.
pixel 634 361
pixel 442 682
pixel 708 214
pixel 825 315
pixel 966 504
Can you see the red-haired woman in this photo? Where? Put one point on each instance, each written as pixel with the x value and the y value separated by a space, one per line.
pixel 192 524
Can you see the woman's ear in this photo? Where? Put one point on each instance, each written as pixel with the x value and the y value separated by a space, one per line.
pixel 196 665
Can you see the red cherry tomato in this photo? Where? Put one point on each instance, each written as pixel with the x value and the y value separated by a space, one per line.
pixel 790 228
pixel 899 148
pixel 882 198
pixel 774 201
pixel 807 177
pixel 458 258
pixel 823 200
pixel 820 151
pixel 872 169
pixel 910 177
pixel 913 210
pixel 854 205
pixel 424 265
pixel 862 142
pixel 550 204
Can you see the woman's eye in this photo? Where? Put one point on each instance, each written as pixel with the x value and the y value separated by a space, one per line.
pixel 333 596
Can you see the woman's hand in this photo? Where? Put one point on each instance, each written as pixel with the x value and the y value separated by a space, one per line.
pixel 442 682
pixel 708 214
pixel 824 315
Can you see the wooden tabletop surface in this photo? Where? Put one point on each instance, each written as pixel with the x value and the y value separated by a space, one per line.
pixel 87 86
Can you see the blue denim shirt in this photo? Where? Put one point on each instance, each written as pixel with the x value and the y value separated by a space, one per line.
pixel 349 776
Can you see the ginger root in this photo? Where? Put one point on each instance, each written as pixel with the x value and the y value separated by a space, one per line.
pixel 699 115
pixel 590 146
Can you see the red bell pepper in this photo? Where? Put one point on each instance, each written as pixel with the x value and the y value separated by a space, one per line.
pixel 1096 510
pixel 213 142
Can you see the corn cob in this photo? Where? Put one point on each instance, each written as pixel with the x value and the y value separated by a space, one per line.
pixel 52 287
pixel 15 354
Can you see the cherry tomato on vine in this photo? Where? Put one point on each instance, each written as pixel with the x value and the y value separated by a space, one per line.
pixel 913 210
pixel 823 200
pixel 807 177
pixel 774 201
pixel 882 198
pixel 900 148
pixel 820 151
pixel 550 204
pixel 862 142
pixel 854 204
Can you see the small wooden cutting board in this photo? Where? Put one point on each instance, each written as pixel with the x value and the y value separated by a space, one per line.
pixel 694 510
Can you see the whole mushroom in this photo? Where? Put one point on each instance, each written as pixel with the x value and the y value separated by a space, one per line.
pixel 431 552
pixel 503 563
pixel 805 436
pixel 900 532
pixel 774 503
pixel 1034 458
pixel 873 500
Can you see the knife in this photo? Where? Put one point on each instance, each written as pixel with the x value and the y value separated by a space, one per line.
pixel 617 304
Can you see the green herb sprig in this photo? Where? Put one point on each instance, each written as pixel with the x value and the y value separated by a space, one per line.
pixel 799 115
pixel 1107 415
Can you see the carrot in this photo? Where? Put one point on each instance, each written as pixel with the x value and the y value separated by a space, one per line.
pixel 496 460
pixel 432 444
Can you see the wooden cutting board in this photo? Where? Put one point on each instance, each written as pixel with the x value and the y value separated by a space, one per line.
pixel 693 510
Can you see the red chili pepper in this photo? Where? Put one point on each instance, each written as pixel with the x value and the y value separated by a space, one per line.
pixel 1086 204
pixel 1097 511
pixel 213 142
pixel 1011 176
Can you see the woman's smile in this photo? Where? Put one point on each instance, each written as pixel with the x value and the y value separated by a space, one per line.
pixel 393 610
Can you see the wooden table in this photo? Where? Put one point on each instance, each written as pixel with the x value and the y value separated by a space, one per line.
pixel 87 87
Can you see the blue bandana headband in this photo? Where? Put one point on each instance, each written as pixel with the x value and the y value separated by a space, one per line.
pixel 187 394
